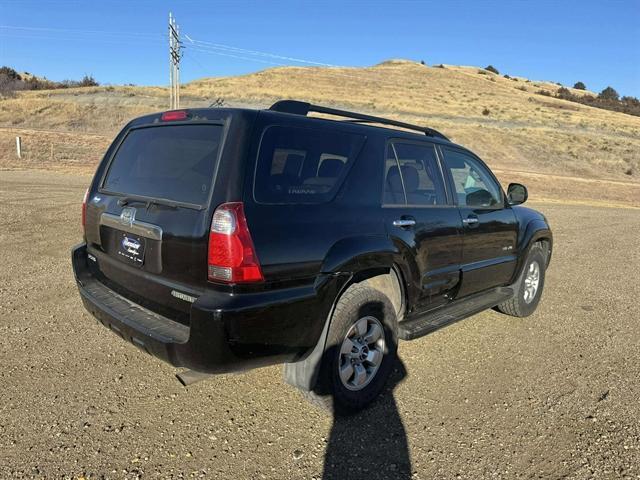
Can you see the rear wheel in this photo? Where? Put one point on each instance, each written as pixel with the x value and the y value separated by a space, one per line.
pixel 526 299
pixel 361 351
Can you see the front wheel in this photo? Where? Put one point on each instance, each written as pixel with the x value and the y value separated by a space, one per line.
pixel 530 285
pixel 361 351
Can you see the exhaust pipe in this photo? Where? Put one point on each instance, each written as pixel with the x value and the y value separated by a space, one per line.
pixel 189 377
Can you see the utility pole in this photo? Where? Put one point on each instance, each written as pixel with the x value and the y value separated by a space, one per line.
pixel 174 63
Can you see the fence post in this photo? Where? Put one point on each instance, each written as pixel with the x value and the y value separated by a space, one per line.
pixel 19 147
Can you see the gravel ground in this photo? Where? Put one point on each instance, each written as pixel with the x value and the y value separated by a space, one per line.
pixel 551 396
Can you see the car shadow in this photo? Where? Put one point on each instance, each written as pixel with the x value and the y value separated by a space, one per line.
pixel 371 443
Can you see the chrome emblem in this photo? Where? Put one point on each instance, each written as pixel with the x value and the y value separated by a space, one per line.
pixel 183 296
pixel 128 216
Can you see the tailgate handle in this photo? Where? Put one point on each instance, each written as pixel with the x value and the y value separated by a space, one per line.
pixel 144 229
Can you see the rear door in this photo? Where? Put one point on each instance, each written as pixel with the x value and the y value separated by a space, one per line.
pixel 490 226
pixel 422 221
pixel 148 219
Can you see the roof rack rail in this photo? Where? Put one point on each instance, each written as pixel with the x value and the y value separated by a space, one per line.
pixel 303 108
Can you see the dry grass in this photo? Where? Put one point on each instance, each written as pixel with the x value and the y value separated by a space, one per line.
pixel 524 131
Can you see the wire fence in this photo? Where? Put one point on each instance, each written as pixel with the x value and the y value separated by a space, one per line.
pixel 51 150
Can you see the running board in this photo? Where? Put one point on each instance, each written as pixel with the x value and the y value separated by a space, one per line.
pixel 458 310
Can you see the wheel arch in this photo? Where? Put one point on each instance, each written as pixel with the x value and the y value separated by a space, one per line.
pixel 536 231
pixel 371 262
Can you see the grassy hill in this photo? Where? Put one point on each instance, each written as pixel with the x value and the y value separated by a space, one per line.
pixel 559 148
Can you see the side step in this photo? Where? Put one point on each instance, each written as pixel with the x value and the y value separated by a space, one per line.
pixel 458 310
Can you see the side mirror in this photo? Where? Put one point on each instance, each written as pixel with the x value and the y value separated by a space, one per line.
pixel 517 194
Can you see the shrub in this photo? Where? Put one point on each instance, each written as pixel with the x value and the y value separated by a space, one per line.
pixel 492 69
pixel 564 93
pixel 546 93
pixel 523 88
pixel 506 76
pixel 609 93
pixel 483 72
pixel 11 81
pixel 580 86
pixel 486 111
pixel 422 62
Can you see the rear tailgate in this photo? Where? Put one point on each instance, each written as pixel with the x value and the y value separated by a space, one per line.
pixel 149 211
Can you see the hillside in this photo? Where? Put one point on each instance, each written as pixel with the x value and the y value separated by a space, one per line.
pixel 558 148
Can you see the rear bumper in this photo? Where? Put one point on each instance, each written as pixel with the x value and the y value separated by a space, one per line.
pixel 226 332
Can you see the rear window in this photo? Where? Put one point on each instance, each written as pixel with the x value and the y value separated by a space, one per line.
pixel 302 165
pixel 175 162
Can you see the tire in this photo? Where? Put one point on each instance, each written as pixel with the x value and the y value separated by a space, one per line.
pixel 344 396
pixel 524 303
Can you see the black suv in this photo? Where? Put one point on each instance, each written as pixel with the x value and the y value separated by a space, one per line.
pixel 226 239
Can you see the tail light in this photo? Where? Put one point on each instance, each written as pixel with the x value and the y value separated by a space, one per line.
pixel 232 256
pixel 84 208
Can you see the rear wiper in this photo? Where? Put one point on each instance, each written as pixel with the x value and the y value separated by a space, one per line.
pixel 148 202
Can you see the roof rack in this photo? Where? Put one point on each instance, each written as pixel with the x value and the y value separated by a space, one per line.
pixel 303 108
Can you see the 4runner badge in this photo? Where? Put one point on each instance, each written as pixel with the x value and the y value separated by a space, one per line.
pixel 128 216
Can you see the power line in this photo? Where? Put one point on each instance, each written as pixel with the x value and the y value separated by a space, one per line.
pixel 244 51
pixel 213 52
pixel 82 32
pixel 105 41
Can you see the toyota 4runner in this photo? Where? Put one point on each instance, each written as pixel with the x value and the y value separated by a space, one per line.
pixel 221 240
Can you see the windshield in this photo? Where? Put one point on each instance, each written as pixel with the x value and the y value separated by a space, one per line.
pixel 175 162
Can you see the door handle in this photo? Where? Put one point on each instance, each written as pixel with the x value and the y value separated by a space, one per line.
pixel 470 220
pixel 404 222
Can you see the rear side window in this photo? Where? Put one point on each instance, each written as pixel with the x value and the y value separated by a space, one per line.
pixel 174 162
pixel 303 165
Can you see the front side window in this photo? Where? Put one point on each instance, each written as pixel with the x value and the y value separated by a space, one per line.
pixel 302 165
pixel 412 175
pixel 474 185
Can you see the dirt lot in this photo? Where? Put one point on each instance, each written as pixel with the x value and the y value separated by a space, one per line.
pixel 551 396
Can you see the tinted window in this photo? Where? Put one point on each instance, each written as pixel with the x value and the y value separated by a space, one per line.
pixel 173 162
pixel 412 175
pixel 474 185
pixel 301 165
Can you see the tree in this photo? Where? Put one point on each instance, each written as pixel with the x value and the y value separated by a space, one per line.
pixel 88 81
pixel 609 93
pixel 10 73
pixel 580 86
pixel 10 81
pixel 492 69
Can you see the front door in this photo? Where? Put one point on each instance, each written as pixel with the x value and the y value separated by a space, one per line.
pixel 490 226
pixel 423 222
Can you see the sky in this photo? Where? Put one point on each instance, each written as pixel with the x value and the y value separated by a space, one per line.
pixel 596 42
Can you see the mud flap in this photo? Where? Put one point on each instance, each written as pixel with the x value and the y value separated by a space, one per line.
pixel 304 373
